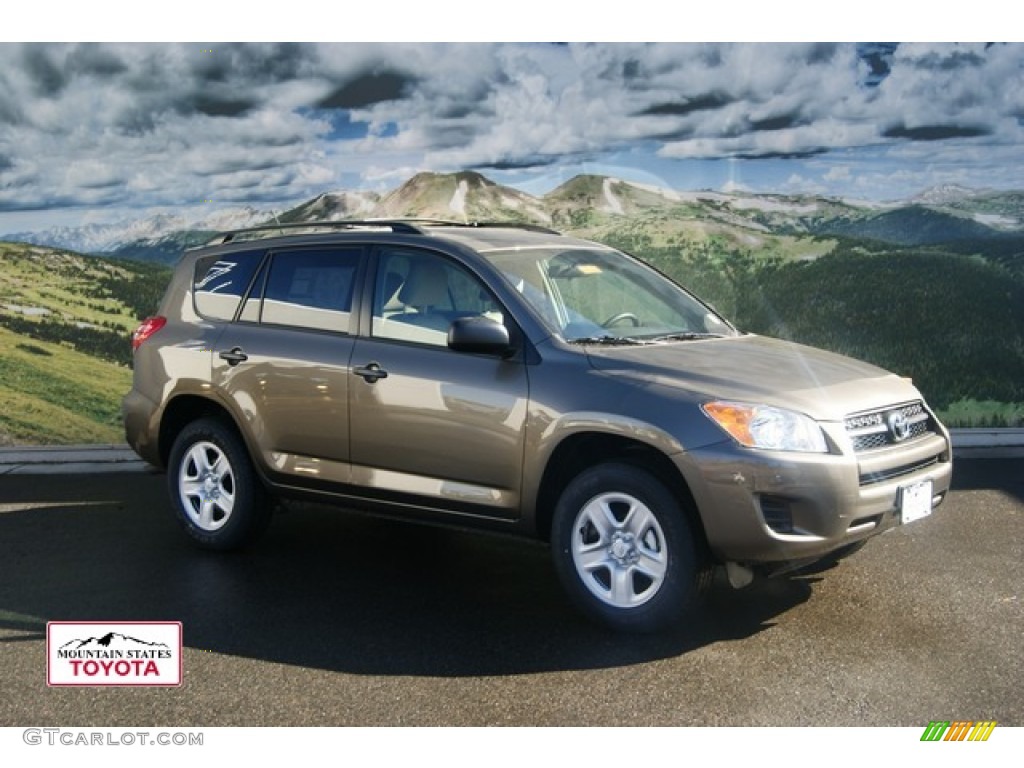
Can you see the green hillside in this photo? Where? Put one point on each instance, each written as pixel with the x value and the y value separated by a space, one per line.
pixel 953 323
pixel 911 225
pixel 65 320
pixel 51 394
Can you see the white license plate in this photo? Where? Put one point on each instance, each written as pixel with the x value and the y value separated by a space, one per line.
pixel 915 501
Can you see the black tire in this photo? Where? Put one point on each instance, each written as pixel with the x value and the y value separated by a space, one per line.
pixel 625 551
pixel 215 492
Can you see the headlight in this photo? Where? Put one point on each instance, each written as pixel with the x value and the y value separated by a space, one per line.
pixel 764 426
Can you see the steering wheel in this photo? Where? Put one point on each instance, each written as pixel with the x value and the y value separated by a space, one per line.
pixel 616 319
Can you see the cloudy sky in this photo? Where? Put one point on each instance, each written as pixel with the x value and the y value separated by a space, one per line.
pixel 94 132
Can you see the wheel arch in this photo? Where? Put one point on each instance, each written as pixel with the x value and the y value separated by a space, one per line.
pixel 586 449
pixel 183 410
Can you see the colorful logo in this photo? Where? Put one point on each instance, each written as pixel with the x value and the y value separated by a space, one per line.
pixel 118 653
pixel 958 730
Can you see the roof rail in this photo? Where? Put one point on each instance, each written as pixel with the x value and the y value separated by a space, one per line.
pixel 405 226
pixel 511 225
pixel 266 230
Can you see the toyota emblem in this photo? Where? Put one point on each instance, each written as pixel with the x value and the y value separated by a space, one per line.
pixel 899 426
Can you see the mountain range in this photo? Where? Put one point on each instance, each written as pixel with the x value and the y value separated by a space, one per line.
pixel 932 287
pixel 109 641
pixel 592 206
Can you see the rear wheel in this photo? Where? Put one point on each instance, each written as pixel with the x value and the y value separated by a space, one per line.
pixel 216 495
pixel 624 549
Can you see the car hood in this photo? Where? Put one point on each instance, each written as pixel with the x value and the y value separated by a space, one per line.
pixel 752 368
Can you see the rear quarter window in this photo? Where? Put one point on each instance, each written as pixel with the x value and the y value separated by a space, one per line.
pixel 222 281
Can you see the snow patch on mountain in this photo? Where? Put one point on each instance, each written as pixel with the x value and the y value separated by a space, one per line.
pixel 769 205
pixel 231 218
pixel 997 221
pixel 458 201
pixel 944 194
pixel 102 238
pixel 614 204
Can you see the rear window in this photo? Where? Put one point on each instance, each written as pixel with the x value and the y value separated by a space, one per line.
pixel 221 282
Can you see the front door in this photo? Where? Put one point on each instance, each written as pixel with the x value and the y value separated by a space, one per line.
pixel 437 427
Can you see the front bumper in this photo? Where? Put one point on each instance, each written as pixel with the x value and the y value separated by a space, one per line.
pixel 771 507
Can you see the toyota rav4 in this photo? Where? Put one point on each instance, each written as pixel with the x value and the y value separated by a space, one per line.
pixel 509 377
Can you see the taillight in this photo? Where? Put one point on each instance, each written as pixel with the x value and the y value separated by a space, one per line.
pixel 149 326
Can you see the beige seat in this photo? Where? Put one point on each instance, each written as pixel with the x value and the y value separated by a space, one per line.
pixel 425 289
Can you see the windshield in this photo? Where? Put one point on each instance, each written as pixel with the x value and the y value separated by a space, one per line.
pixel 602 295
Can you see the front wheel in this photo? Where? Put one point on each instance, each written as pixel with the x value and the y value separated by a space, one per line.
pixel 216 495
pixel 624 549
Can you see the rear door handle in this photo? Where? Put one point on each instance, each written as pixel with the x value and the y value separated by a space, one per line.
pixel 235 356
pixel 371 372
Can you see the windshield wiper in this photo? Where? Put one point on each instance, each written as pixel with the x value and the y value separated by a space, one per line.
pixel 610 340
pixel 686 336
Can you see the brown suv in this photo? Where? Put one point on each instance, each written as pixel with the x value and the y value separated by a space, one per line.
pixel 512 378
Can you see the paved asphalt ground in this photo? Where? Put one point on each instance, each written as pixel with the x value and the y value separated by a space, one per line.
pixel 337 619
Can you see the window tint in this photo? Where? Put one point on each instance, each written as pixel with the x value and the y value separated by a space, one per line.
pixel 418 295
pixel 311 289
pixel 221 281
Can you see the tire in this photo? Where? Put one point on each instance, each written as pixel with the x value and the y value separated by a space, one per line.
pixel 624 549
pixel 215 493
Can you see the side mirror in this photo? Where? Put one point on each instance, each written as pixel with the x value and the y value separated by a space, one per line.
pixel 479 335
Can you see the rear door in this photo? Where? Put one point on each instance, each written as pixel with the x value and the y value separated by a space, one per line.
pixel 284 364
pixel 432 426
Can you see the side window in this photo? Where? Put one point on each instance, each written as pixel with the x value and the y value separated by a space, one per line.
pixel 311 288
pixel 221 281
pixel 418 294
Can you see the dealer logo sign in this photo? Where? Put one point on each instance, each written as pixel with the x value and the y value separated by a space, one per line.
pixel 119 653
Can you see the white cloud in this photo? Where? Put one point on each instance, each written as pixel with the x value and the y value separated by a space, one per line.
pixel 732 187
pixel 149 125
pixel 799 184
pixel 837 173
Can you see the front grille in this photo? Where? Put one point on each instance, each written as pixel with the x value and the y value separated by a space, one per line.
pixel 893 472
pixel 888 426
